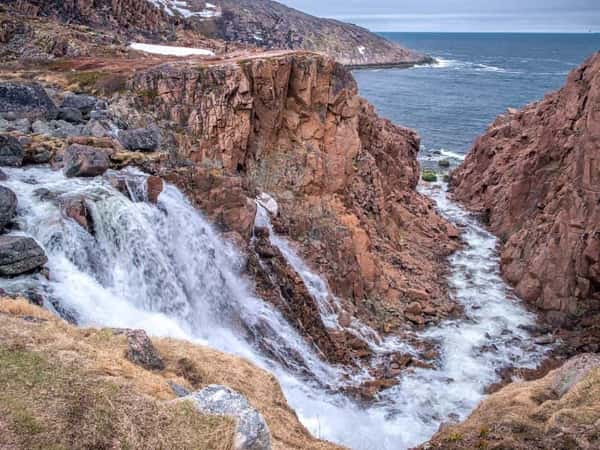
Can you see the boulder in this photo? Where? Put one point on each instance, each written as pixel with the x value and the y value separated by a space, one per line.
pixel 252 432
pixel 142 352
pixel 19 255
pixel 3 176
pixel 76 209
pixel 142 139
pixel 83 103
pixel 11 151
pixel 84 161
pixel 154 186
pixel 26 100
pixel 72 115
pixel 8 206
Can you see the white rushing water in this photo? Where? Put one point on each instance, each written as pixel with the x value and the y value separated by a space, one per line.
pixel 163 268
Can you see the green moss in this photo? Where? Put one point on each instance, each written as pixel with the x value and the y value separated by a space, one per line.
pixel 429 175
pixel 454 437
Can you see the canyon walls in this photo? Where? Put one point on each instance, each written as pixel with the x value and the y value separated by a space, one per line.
pixel 535 176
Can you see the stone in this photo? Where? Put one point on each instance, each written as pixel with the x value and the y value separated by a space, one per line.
pixel 76 209
pixel 142 352
pixel 11 151
pixel 154 186
pixel 8 206
pixel 535 177
pixel 178 389
pixel 72 115
pixel 26 100
pixel 3 176
pixel 83 103
pixel 19 255
pixel 84 161
pixel 251 432
pixel 142 139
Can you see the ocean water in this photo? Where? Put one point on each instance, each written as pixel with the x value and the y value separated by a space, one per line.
pixel 477 77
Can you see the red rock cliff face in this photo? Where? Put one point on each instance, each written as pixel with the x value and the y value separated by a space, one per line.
pixel 293 125
pixel 536 174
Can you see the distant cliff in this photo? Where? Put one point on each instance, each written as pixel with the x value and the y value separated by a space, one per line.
pixel 229 24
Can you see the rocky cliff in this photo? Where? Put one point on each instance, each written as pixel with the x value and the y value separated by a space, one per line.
pixel 220 26
pixel 535 176
pixel 293 126
pixel 289 124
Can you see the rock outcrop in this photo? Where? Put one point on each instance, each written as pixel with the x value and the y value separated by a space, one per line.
pixel 293 125
pixel 251 431
pixel 535 175
pixel 19 255
pixel 559 411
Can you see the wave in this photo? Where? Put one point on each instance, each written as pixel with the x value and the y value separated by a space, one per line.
pixel 455 64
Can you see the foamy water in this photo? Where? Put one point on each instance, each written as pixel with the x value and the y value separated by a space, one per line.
pixel 163 268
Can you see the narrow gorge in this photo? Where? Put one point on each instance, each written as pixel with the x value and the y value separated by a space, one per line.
pixel 236 244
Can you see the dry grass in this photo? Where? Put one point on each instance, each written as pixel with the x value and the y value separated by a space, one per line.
pixel 559 411
pixel 68 384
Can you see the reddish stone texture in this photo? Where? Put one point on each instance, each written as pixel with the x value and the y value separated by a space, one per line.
pixel 293 125
pixel 535 174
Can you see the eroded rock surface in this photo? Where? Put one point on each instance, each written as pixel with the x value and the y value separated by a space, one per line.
pixel 344 179
pixel 535 175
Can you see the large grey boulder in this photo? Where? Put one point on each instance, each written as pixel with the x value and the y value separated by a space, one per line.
pixel 84 103
pixel 252 432
pixel 142 139
pixel 26 100
pixel 11 151
pixel 20 254
pixel 8 206
pixel 85 161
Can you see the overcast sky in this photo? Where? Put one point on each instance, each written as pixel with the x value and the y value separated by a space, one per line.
pixel 460 15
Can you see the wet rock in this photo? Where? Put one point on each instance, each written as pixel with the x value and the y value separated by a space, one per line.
pixel 142 352
pixel 83 103
pixel 154 186
pixel 84 161
pixel 72 115
pixel 20 254
pixel 76 209
pixel 3 176
pixel 142 139
pixel 8 206
pixel 11 151
pixel 251 432
pixel 444 163
pixel 26 100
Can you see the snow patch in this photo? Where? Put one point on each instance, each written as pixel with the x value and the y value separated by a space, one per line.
pixel 169 50
pixel 182 8
pixel 361 49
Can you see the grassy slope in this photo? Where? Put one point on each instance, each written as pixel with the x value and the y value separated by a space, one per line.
pixel 69 388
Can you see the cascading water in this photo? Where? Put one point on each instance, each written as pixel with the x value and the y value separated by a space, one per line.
pixel 163 268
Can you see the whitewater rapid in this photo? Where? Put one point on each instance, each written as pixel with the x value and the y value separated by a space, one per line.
pixel 165 269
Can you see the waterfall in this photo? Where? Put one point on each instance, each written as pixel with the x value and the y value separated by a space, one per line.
pixel 165 269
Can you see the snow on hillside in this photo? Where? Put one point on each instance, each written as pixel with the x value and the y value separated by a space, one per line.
pixel 181 7
pixel 169 50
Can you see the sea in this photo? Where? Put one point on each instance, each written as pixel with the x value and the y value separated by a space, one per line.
pixel 477 77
